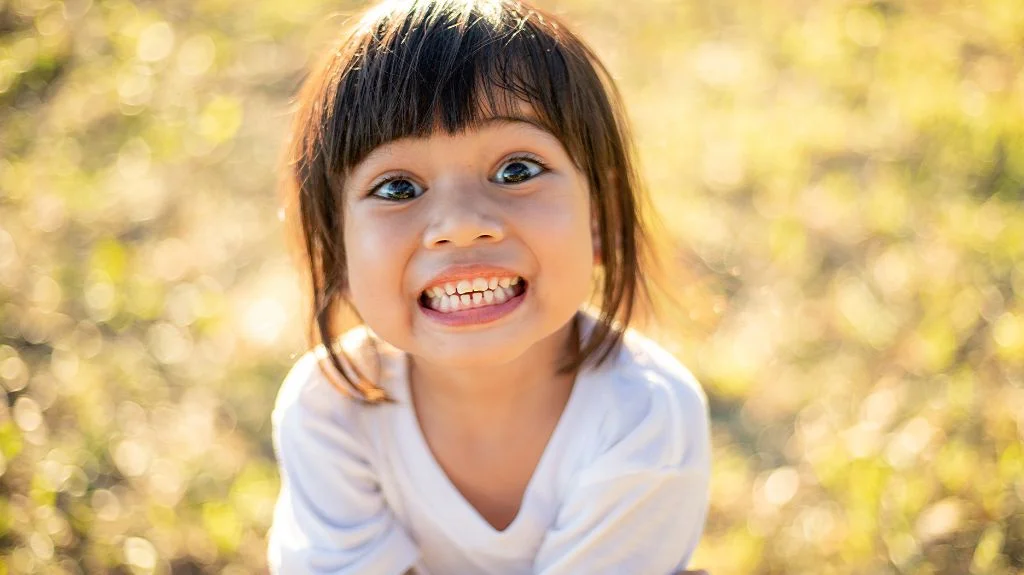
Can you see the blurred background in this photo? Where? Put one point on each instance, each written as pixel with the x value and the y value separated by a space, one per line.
pixel 842 181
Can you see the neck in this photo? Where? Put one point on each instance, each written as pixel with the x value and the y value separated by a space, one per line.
pixel 482 396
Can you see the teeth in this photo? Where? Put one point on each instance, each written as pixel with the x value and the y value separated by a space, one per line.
pixel 471 285
pixel 472 293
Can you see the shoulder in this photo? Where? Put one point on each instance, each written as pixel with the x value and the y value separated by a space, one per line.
pixel 652 411
pixel 308 392
pixel 642 363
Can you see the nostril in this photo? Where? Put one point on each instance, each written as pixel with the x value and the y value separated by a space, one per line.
pixel 463 236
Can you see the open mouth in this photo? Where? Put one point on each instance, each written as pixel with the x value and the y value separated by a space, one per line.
pixel 475 293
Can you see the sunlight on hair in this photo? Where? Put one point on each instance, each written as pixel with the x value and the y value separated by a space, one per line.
pixel 373 15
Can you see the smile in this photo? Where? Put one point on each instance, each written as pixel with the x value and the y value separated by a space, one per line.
pixel 473 300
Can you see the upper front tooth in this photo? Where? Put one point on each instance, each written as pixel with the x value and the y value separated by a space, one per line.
pixel 492 284
pixel 479 284
pixel 449 288
pixel 504 282
pixel 464 286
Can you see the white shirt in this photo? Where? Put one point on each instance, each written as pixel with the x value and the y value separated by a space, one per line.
pixel 621 487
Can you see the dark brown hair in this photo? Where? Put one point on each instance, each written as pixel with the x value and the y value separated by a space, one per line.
pixel 409 68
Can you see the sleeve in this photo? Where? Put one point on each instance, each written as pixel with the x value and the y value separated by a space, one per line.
pixel 330 515
pixel 640 506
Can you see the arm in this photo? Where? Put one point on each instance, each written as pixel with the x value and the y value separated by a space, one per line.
pixel 330 516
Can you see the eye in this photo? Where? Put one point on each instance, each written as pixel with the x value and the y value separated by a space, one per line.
pixel 397 189
pixel 518 170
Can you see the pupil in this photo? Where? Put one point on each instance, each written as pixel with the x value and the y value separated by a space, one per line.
pixel 517 172
pixel 402 189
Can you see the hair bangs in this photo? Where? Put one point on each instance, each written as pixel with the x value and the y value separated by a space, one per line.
pixel 448 66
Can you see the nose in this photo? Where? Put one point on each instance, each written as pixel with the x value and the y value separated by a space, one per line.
pixel 461 218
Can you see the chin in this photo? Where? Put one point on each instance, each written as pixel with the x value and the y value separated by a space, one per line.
pixel 474 352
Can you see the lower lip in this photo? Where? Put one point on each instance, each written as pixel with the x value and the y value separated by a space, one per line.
pixel 475 316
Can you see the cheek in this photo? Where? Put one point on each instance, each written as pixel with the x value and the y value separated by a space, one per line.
pixel 560 236
pixel 376 254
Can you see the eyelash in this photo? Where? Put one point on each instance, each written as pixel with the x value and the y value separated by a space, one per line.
pixel 524 156
pixel 387 180
pixel 378 184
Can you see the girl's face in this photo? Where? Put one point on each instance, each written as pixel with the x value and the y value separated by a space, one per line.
pixel 467 250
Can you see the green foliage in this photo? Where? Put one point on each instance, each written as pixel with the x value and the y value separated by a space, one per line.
pixel 843 186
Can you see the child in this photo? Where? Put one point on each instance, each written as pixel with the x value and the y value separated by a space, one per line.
pixel 461 178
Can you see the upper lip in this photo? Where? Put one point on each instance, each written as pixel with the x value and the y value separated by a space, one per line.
pixel 453 274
